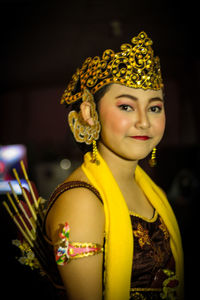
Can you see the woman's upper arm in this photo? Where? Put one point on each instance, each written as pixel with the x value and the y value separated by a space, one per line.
pixel 84 213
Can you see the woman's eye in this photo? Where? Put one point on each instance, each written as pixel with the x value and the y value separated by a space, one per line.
pixel 125 107
pixel 155 109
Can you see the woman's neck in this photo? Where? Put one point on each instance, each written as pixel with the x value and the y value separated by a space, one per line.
pixel 123 170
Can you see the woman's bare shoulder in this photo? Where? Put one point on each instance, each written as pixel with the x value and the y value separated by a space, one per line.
pixel 77 175
pixel 81 208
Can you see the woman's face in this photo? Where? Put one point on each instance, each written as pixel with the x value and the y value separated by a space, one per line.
pixel 132 121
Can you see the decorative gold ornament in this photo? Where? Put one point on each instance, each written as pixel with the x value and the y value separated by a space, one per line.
pixel 134 66
pixel 94 153
pixel 152 161
pixel 82 131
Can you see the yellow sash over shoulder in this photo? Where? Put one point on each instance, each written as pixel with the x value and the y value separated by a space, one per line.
pixel 118 229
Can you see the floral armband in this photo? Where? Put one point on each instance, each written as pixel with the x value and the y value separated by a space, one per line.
pixel 66 250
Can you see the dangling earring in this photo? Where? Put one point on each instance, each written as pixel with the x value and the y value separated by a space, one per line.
pixel 82 131
pixel 152 161
pixel 94 152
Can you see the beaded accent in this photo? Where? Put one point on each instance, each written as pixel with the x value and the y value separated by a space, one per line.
pixel 145 294
pixel 168 290
pixel 169 285
pixel 67 251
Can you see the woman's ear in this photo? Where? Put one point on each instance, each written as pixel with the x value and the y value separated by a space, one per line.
pixel 85 109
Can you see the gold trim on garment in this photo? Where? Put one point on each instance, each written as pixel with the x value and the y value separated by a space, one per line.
pixel 155 216
pixel 146 289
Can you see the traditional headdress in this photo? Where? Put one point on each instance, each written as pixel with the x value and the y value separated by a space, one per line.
pixel 134 66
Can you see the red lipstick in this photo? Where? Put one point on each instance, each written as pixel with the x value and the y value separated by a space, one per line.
pixel 141 137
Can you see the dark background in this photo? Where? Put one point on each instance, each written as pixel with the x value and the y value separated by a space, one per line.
pixel 42 44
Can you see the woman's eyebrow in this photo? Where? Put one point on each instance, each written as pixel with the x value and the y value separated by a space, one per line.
pixel 127 96
pixel 135 98
pixel 156 99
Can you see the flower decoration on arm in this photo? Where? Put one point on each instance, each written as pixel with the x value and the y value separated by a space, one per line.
pixel 66 251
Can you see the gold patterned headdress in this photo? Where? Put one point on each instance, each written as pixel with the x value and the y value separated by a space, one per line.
pixel 134 66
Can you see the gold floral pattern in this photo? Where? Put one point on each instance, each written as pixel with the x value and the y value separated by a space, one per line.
pixel 153 261
pixel 158 256
pixel 163 227
pixel 142 235
pixel 144 239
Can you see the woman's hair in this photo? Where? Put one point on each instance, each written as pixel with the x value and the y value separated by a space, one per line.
pixel 76 106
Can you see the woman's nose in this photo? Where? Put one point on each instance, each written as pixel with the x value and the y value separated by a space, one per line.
pixel 142 120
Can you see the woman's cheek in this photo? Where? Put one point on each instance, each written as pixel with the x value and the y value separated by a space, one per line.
pixel 160 125
pixel 116 123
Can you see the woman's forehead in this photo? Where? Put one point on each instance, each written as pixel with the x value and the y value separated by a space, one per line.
pixel 116 90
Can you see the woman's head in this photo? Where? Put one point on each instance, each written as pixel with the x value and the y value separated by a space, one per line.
pixel 134 72
pixel 132 120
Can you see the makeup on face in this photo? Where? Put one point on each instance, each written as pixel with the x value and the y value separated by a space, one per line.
pixel 132 120
pixel 129 102
pixel 141 137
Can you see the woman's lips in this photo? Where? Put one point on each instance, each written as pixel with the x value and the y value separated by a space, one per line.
pixel 141 137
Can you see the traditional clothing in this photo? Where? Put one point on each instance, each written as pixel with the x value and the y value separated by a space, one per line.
pixel 141 255
pixel 118 227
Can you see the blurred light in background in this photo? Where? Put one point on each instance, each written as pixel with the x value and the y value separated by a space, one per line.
pixel 65 164
pixel 10 157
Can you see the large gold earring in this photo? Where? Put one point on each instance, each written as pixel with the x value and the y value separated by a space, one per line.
pixel 94 153
pixel 152 161
pixel 82 131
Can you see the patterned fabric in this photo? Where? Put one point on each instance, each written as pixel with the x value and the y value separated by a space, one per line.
pixel 153 264
pixel 146 294
pixel 153 272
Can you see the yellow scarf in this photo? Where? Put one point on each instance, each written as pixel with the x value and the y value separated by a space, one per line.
pixel 118 229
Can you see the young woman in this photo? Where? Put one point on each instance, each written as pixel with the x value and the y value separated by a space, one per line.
pixel 114 234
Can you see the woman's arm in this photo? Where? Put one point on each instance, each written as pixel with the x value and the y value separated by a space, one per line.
pixel 83 211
